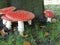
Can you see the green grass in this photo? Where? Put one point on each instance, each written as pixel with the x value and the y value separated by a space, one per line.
pixel 54 35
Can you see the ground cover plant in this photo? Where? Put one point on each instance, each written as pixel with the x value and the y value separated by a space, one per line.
pixel 37 35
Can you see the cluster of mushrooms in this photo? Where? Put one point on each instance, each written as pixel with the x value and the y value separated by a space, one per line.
pixel 9 15
pixel 19 16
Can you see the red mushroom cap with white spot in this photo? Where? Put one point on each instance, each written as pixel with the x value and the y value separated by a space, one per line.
pixel 49 13
pixel 7 9
pixel 20 15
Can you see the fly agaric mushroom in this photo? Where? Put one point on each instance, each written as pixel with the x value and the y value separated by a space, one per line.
pixel 6 10
pixel 20 17
pixel 8 23
pixel 23 12
pixel 49 14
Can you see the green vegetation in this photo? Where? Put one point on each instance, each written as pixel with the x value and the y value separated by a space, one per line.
pixel 53 28
pixel 3 3
pixel 54 35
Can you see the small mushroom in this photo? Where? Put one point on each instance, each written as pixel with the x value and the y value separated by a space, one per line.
pixel 6 10
pixel 21 17
pixel 49 15
pixel 8 23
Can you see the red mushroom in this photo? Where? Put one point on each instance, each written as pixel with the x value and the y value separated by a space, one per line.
pixel 23 12
pixel 49 14
pixel 6 10
pixel 20 17
pixel 8 23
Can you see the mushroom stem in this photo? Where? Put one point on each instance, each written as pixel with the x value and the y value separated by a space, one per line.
pixel 4 21
pixel 48 19
pixel 30 22
pixel 8 24
pixel 21 27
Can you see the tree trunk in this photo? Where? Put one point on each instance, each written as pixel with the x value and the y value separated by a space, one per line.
pixel 35 6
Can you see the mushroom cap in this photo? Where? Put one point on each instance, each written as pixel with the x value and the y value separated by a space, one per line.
pixel 20 15
pixel 6 18
pixel 49 13
pixel 7 9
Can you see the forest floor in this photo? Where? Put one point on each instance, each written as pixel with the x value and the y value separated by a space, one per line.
pixel 48 35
